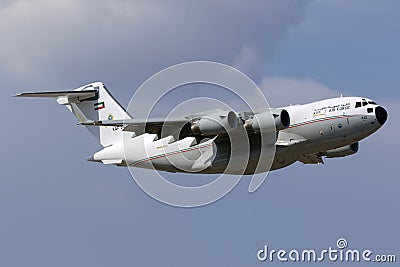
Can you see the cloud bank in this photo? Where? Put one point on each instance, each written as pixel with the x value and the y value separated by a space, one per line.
pixel 66 41
pixel 282 91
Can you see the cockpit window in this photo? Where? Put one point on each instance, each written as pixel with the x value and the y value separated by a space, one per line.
pixel 371 102
pixel 365 103
pixel 358 104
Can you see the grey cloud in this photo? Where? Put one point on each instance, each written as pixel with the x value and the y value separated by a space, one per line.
pixel 281 91
pixel 68 41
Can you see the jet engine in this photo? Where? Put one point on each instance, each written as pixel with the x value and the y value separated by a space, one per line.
pixel 268 121
pixel 216 123
pixel 342 151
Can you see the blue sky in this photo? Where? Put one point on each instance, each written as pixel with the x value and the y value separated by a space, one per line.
pixel 59 210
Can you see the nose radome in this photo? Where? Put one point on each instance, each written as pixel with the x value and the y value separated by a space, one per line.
pixel 381 115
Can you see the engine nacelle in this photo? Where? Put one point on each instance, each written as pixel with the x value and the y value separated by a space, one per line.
pixel 269 121
pixel 216 123
pixel 342 151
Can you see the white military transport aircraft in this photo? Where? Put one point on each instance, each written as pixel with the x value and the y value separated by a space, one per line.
pixel 199 143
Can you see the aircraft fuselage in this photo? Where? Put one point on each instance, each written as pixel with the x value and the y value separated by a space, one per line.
pixel 323 126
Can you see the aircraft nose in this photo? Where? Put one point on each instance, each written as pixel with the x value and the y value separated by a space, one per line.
pixel 381 115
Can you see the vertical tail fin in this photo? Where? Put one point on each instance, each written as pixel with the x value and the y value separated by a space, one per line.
pixel 91 102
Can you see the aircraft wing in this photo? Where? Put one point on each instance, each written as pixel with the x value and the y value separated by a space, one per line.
pixel 151 125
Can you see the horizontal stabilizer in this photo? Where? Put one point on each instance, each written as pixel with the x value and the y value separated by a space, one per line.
pixel 71 94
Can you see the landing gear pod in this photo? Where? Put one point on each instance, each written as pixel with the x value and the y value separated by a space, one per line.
pixel 342 151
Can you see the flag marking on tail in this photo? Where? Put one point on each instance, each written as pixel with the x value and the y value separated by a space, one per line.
pixel 99 105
